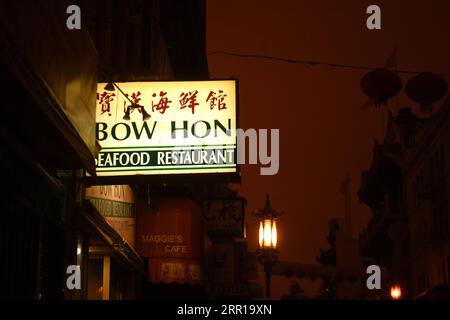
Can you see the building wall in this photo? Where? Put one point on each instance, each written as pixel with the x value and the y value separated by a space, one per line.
pixel 408 234
pixel 427 194
pixel 65 60
pixel 149 40
pixel 128 38
pixel 47 130
pixel 47 135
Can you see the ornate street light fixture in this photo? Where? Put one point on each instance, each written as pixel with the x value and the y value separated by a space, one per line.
pixel 267 251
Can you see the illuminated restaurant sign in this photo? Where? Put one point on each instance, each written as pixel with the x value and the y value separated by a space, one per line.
pixel 166 127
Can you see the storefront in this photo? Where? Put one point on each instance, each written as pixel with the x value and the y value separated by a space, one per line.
pixel 114 270
pixel 47 134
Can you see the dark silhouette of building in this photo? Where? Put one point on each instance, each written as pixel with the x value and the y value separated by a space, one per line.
pixel 150 40
pixel 49 75
pixel 406 188
pixel 427 194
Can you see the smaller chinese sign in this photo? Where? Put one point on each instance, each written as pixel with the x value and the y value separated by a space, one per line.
pixel 228 261
pixel 116 204
pixel 224 217
pixel 173 270
pixel 223 262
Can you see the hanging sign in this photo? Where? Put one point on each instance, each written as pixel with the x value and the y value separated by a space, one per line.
pixel 166 127
pixel 117 204
pixel 224 217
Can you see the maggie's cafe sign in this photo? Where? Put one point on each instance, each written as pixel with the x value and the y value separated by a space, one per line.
pixel 168 127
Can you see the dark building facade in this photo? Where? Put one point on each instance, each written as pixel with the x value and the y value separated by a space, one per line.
pixel 50 76
pixel 427 182
pixel 49 79
pixel 406 188
pixel 148 40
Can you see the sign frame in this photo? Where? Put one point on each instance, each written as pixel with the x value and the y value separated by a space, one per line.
pixel 174 177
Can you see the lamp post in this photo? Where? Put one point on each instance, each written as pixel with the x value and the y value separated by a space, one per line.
pixel 267 252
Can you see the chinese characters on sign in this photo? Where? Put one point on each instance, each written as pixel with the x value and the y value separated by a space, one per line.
pixel 217 100
pixel 189 100
pixel 224 217
pixel 105 100
pixel 179 127
pixel 161 102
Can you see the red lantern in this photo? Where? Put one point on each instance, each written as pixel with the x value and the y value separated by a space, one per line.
pixel 380 85
pixel 426 88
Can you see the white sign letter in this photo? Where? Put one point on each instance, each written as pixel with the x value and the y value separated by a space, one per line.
pixel 374 20
pixel 74 280
pixel 74 20
pixel 274 159
pixel 374 280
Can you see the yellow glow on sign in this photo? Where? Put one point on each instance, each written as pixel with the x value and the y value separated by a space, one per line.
pixel 169 127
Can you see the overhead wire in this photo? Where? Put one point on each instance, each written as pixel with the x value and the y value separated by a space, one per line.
pixel 314 63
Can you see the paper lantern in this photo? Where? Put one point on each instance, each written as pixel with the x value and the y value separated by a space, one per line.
pixel 425 89
pixel 380 85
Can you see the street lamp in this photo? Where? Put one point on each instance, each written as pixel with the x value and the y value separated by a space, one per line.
pixel 396 292
pixel 267 252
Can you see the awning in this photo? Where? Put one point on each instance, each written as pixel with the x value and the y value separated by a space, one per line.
pixel 115 244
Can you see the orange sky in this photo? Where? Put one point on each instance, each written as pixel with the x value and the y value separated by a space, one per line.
pixel 323 131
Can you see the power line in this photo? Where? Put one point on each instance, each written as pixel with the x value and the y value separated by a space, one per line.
pixel 313 63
